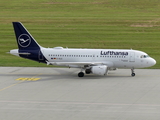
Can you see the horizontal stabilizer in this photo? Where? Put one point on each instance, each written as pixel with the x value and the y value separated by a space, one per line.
pixel 24 53
pixel 17 53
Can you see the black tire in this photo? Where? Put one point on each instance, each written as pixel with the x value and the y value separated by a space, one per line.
pixel 87 71
pixel 133 74
pixel 81 74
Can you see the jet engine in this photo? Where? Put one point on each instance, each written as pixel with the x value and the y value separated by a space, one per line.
pixel 99 70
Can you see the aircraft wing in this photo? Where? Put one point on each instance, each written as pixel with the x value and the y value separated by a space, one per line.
pixel 79 64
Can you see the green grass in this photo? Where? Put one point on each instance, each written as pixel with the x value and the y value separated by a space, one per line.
pixel 122 24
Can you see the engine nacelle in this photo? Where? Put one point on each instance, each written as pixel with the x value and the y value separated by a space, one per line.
pixel 99 70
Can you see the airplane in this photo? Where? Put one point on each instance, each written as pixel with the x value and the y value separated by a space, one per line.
pixel 90 61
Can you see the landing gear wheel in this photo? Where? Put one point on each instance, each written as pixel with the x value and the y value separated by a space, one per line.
pixel 133 74
pixel 81 74
pixel 87 71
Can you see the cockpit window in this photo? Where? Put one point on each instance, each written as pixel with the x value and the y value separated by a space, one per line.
pixel 144 56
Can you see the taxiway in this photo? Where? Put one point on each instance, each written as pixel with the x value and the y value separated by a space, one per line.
pixel 30 93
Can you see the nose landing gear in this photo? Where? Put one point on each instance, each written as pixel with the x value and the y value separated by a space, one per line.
pixel 133 74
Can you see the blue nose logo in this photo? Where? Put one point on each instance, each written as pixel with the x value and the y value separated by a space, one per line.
pixel 24 40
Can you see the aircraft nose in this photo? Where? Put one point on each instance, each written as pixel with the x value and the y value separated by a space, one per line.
pixel 152 62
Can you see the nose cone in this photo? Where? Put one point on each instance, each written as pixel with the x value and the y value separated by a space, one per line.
pixel 152 62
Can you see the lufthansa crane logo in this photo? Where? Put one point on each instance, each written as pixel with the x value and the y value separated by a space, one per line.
pixel 24 40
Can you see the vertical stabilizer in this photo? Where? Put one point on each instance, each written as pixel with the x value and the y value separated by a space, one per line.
pixel 28 47
pixel 24 39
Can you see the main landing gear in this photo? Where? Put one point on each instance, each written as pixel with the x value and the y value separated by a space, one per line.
pixel 80 74
pixel 133 74
pixel 87 71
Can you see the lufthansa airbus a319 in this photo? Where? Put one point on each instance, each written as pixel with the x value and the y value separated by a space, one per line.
pixel 90 61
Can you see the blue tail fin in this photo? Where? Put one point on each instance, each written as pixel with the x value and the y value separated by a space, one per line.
pixel 25 40
pixel 28 47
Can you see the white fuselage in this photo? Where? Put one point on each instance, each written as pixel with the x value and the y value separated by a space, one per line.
pixel 113 58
